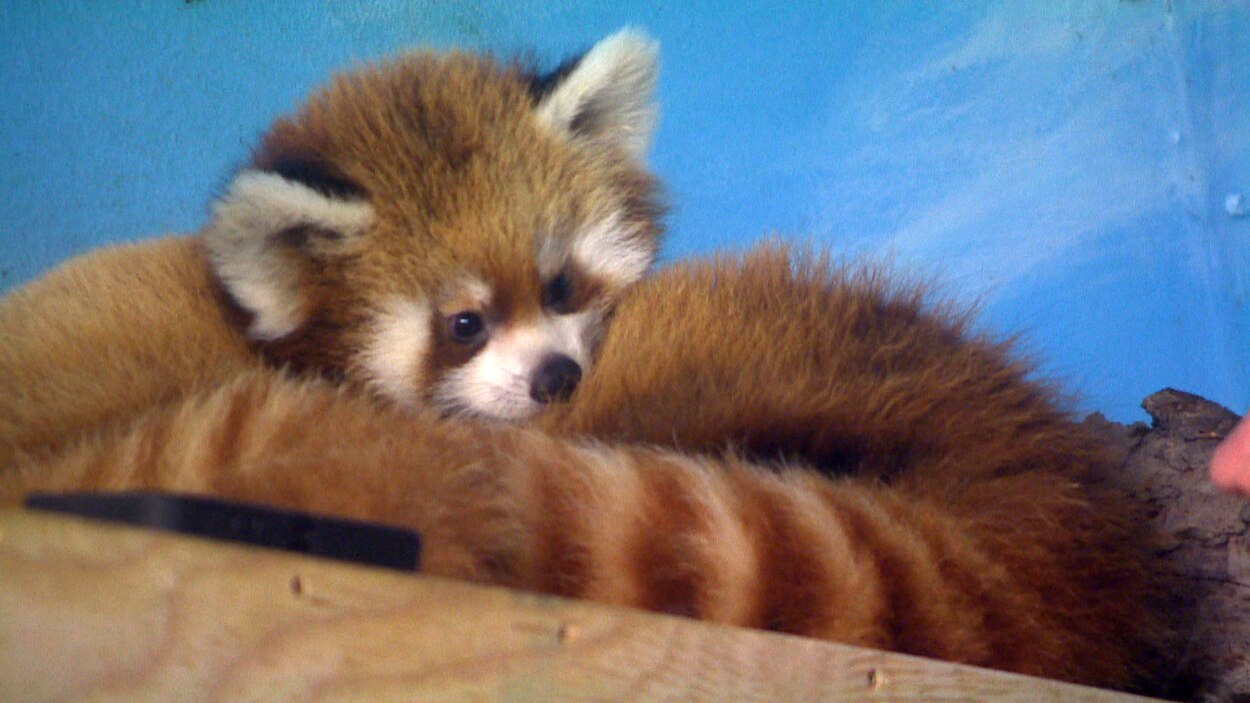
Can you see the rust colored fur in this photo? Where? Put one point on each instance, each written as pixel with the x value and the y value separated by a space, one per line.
pixel 107 336
pixel 379 202
pixel 934 500
pixel 841 366
pixel 462 179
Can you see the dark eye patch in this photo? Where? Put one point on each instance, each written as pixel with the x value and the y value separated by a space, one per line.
pixel 446 352
pixel 466 327
pixel 572 290
pixel 558 292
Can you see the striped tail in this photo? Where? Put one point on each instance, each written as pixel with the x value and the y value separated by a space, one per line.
pixel 1031 572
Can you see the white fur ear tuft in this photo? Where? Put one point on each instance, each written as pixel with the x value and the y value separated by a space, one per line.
pixel 258 232
pixel 610 249
pixel 609 94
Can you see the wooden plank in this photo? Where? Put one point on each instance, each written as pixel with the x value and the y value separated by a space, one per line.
pixel 90 611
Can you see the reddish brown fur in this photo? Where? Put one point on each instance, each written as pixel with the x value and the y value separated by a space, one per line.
pixel 463 180
pixel 106 336
pixel 962 525
pixel 840 367
pixel 462 177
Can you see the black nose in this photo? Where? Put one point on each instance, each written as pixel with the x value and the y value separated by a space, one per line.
pixel 555 379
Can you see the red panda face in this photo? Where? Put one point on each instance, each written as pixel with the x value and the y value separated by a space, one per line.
pixel 444 229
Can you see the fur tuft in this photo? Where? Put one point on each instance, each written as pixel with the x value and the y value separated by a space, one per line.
pixel 260 231
pixel 611 249
pixel 606 95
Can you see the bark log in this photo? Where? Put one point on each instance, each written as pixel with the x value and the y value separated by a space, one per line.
pixel 1205 533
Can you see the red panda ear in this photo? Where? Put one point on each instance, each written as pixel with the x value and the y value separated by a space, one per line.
pixel 262 231
pixel 607 95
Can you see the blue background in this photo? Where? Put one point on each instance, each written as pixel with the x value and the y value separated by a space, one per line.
pixel 1072 167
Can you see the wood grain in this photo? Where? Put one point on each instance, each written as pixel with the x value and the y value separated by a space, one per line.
pixel 95 612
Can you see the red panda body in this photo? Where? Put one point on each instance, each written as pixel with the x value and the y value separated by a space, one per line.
pixel 442 229
pixel 106 336
pixel 931 500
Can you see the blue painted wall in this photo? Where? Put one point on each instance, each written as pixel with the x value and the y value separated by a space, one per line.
pixel 1074 166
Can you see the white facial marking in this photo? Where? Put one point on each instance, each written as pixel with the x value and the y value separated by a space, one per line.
pixel 496 382
pixel 614 251
pixel 398 342
pixel 240 240
pixel 550 255
pixel 475 291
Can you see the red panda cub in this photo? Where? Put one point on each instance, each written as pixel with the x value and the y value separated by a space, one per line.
pixel 932 500
pixel 441 229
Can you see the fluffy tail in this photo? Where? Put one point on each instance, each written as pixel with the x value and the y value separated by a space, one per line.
pixel 1024 573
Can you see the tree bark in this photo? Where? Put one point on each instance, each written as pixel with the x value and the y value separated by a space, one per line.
pixel 1205 535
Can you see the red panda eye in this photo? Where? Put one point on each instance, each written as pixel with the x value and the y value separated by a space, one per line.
pixel 466 327
pixel 557 292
